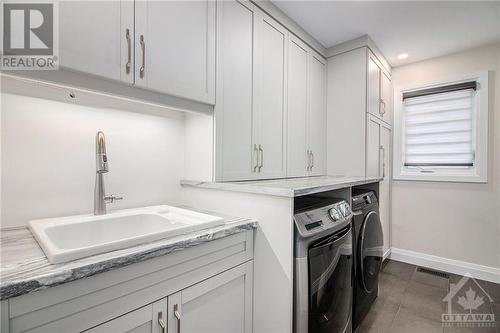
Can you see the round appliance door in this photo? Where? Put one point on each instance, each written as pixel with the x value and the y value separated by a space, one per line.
pixel 330 283
pixel 370 251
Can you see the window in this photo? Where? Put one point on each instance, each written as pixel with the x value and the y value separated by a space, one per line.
pixel 442 131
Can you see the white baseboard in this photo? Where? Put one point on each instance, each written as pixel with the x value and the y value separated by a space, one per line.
pixel 387 253
pixel 486 273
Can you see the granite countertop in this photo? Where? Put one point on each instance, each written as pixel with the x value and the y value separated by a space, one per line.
pixel 24 268
pixel 290 187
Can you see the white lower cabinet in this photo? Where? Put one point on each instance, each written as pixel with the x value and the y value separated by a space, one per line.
pixel 385 192
pixel 219 304
pixel 143 320
pixel 378 164
pixel 205 288
pixel 372 147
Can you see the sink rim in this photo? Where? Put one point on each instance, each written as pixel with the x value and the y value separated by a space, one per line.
pixel 58 255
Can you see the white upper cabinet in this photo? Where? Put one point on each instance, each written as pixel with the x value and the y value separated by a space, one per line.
pixel 373 103
pixel 386 107
pixel 251 94
pixel 379 90
pixel 298 156
pixel 317 115
pixel 175 48
pixel 97 44
pixel 306 145
pixel 269 109
pixel 236 159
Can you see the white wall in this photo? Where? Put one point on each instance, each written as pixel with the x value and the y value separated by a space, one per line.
pixel 453 220
pixel 48 157
pixel 199 143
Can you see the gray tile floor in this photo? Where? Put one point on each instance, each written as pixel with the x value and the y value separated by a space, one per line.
pixel 412 301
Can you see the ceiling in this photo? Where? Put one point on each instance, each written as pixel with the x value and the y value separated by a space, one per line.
pixel 423 29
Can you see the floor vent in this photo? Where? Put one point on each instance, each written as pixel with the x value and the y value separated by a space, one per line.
pixel 433 272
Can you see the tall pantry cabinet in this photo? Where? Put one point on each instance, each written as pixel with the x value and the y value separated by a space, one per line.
pixel 359 120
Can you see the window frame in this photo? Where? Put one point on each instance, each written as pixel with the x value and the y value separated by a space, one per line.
pixel 478 173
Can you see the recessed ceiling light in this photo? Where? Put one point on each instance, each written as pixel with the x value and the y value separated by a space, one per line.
pixel 403 56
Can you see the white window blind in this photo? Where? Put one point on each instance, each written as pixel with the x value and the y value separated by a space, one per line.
pixel 439 128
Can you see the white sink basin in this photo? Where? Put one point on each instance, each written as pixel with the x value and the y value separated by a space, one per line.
pixel 69 238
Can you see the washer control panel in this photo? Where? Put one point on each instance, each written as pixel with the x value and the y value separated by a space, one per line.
pixel 317 220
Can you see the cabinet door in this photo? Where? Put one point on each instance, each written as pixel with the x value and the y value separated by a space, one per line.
pixel 176 41
pixel 93 38
pixel 372 147
pixel 269 113
pixel 373 102
pixel 221 304
pixel 297 155
pixel 386 112
pixel 235 156
pixel 385 184
pixel 143 320
pixel 317 114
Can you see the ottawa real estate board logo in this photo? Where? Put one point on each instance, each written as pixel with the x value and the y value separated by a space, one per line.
pixel 468 305
pixel 29 36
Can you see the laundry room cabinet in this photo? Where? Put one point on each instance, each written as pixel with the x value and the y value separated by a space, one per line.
pixel 379 90
pixel 298 155
pixel 316 120
pixel 378 164
pixel 271 103
pixel 162 46
pixel 101 44
pixel 306 111
pixel 202 288
pixel 175 48
pixel 359 120
pixel 220 304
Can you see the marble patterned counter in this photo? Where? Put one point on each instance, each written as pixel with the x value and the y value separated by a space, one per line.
pixel 24 268
pixel 290 187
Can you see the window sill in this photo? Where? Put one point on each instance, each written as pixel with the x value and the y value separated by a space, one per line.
pixel 441 177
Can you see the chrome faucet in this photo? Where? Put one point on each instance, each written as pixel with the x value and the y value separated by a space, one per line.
pixel 100 198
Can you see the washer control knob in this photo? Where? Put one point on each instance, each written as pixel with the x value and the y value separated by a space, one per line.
pixel 334 214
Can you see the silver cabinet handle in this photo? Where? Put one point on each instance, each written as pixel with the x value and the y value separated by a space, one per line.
pixel 261 157
pixel 308 160
pixel 129 51
pixel 383 103
pixel 383 161
pixel 177 315
pixel 143 48
pixel 312 160
pixel 162 322
pixel 256 151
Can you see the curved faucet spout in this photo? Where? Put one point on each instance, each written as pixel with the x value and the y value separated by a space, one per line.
pixel 100 153
pixel 100 198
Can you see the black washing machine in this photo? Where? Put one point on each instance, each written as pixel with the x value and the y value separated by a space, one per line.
pixel 323 266
pixel 368 242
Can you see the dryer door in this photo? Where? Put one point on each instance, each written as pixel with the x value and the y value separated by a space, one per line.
pixel 370 251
